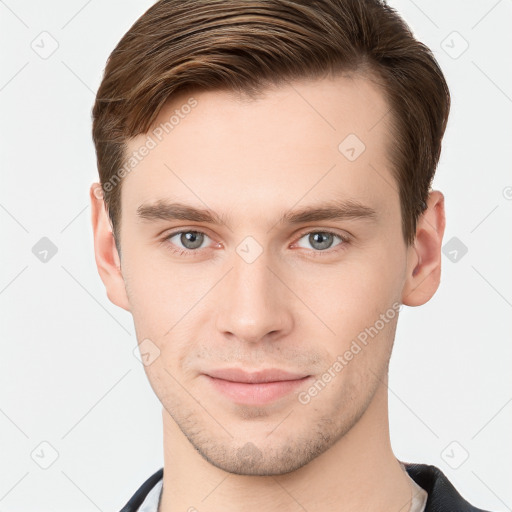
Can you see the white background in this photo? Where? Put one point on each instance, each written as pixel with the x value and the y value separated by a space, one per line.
pixel 68 374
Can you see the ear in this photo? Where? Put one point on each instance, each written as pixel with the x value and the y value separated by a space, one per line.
pixel 105 250
pixel 424 256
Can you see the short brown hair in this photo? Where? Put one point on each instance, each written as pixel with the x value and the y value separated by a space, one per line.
pixel 246 45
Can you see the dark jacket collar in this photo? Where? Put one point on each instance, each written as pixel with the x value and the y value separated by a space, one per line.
pixel 442 495
pixel 136 500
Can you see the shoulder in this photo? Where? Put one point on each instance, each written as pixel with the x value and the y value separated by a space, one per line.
pixel 442 495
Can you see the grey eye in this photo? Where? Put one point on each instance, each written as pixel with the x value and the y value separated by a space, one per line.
pixel 190 239
pixel 320 240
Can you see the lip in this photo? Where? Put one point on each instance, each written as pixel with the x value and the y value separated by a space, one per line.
pixel 257 377
pixel 256 388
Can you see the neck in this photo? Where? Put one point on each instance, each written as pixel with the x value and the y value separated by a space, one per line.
pixel 358 473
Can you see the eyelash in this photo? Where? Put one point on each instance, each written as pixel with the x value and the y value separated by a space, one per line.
pixel 192 253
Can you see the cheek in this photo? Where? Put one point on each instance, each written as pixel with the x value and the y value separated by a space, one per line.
pixel 165 301
pixel 158 289
pixel 351 295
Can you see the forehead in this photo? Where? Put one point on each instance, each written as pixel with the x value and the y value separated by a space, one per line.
pixel 306 140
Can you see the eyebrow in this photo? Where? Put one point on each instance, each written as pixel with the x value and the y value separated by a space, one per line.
pixel 331 210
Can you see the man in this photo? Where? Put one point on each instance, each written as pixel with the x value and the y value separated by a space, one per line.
pixel 264 211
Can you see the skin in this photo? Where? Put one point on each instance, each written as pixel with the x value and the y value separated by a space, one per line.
pixel 296 307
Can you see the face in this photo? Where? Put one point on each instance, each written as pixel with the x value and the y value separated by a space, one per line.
pixel 262 283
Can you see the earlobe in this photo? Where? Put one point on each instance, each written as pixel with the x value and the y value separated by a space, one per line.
pixel 424 257
pixel 105 250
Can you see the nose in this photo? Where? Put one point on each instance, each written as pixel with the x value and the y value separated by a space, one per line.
pixel 253 302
